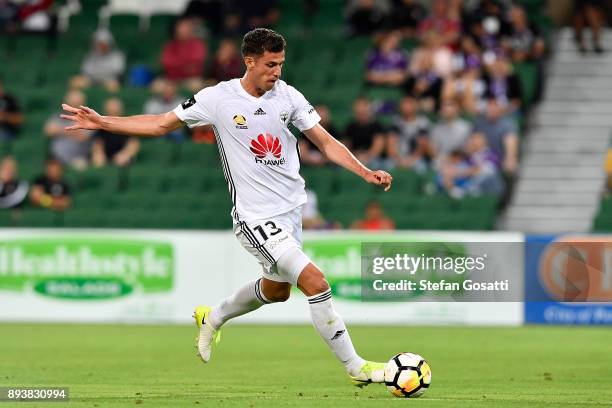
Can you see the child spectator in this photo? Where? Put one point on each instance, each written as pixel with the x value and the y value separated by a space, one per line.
pixel 50 190
pixel 12 190
pixel 111 147
pixel 365 135
pixel 70 147
pixel 387 64
pixel 103 65
pixel 11 118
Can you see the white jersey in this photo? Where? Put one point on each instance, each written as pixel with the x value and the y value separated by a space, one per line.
pixel 259 154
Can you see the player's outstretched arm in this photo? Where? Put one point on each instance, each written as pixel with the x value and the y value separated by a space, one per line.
pixel 139 125
pixel 339 154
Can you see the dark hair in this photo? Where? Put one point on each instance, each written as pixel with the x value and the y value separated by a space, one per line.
pixel 260 40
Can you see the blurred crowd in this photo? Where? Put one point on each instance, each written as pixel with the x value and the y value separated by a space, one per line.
pixel 462 101
pixel 457 116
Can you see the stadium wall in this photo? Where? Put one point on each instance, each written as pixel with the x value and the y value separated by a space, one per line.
pixel 158 276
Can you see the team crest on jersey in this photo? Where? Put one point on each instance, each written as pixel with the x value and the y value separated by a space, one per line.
pixel 188 103
pixel 240 122
pixel 284 115
pixel 266 145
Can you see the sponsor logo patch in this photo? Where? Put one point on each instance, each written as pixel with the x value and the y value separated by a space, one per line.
pixel 240 122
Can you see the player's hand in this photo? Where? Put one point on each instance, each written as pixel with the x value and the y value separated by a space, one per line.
pixel 380 178
pixel 83 117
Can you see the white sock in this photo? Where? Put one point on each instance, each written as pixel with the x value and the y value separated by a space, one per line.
pixel 331 327
pixel 245 300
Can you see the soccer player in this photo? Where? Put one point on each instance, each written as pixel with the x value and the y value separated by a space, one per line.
pixel 261 164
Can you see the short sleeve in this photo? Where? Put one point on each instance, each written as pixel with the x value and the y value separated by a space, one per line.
pixel 199 110
pixel 304 116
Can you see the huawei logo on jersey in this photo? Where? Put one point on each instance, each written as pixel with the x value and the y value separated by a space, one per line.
pixel 265 145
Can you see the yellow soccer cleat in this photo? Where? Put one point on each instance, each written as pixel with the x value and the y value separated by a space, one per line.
pixel 206 333
pixel 371 372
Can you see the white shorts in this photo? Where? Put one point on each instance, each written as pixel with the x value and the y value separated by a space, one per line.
pixel 268 239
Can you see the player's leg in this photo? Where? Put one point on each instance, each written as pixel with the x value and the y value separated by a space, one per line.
pixel 330 325
pixel 248 298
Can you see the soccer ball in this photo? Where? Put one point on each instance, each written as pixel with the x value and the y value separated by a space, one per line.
pixel 407 375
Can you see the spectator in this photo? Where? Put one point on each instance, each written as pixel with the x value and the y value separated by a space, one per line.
pixel 365 17
pixel 407 15
pixel 11 118
pixel 501 83
pixel 500 132
pixel 375 219
pixel 524 41
pixel 311 217
pixel 245 15
pixel 441 23
pixel 12 190
pixel 70 147
pixel 50 190
pixel 165 100
pixel 424 83
pixel 440 55
pixel 209 12
pixel 183 57
pixel 489 24
pixel 467 85
pixel 227 63
pixel 8 16
pixel 387 64
pixel 592 13
pixel 104 64
pixel 408 143
pixel 454 172
pixel 472 173
pixel 451 132
pixel 364 134
pixel 31 16
pixel 485 163
pixel 111 147
pixel 309 152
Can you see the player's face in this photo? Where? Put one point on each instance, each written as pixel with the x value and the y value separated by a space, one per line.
pixel 267 69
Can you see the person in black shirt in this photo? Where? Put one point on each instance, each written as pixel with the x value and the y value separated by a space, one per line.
pixel 111 147
pixel 364 135
pixel 12 191
pixel 407 15
pixel 10 115
pixel 50 190
pixel 501 83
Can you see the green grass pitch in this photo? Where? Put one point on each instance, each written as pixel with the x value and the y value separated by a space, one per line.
pixel 289 366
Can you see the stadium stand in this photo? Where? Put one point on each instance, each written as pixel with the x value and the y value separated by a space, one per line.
pixel 180 185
